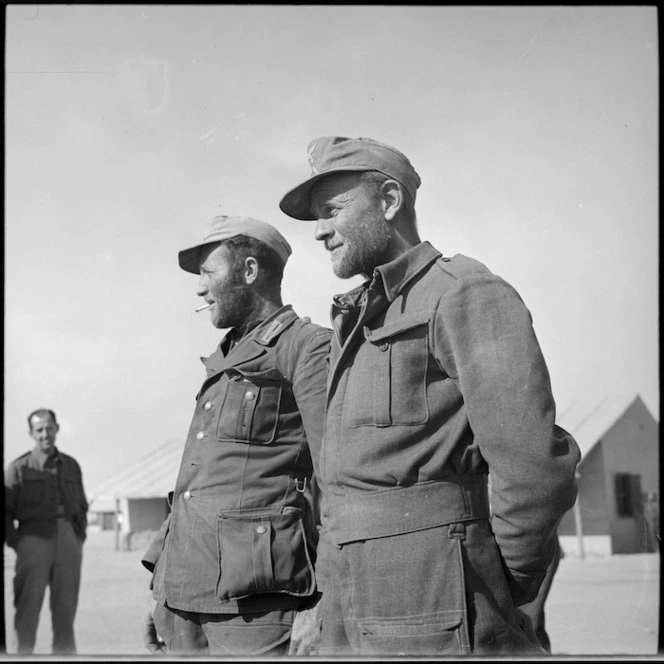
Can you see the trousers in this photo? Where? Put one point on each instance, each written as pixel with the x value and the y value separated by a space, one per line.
pixel 54 562
pixel 186 632
pixel 429 593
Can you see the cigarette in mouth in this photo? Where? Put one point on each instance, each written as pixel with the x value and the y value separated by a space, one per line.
pixel 205 306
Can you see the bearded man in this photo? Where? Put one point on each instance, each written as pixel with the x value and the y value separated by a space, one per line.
pixel 234 561
pixel 436 380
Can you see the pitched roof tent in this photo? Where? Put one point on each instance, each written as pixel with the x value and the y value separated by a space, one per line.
pixel 152 476
pixel 588 423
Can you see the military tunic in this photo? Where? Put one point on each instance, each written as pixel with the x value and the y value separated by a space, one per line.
pixel 436 379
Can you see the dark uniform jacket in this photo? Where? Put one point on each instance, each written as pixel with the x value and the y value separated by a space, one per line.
pixel 436 379
pixel 241 536
pixel 36 495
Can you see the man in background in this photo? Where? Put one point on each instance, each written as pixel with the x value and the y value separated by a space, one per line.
pixel 46 520
pixel 436 379
pixel 234 561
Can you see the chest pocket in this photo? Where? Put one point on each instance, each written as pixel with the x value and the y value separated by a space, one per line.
pixel 36 486
pixel 250 409
pixel 387 381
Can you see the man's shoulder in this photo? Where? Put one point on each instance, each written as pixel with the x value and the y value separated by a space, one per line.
pixel 20 460
pixel 460 266
pixel 304 327
pixel 301 340
pixel 68 458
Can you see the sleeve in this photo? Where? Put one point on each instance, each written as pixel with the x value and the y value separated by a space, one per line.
pixel 83 505
pixel 485 341
pixel 310 387
pixel 11 496
pixel 151 556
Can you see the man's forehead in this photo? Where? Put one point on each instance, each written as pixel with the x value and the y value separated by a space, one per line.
pixel 41 421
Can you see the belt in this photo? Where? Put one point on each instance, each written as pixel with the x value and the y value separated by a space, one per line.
pixel 387 512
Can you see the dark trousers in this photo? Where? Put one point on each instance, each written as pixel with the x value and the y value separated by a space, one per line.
pixel 53 562
pixel 185 632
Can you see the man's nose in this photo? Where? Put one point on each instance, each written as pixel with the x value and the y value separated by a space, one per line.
pixel 323 229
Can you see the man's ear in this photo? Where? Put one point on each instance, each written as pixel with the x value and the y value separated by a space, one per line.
pixel 392 198
pixel 251 270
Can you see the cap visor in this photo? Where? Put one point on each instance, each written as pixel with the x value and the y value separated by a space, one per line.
pixel 188 259
pixel 297 202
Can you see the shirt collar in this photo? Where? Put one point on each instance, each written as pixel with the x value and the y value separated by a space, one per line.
pixel 396 274
pixel 42 458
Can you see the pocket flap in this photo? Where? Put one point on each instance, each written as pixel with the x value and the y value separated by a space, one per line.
pixel 404 324
pixel 267 375
pixel 263 551
pixel 442 621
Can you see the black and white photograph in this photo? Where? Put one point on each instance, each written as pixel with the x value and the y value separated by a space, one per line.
pixel 331 331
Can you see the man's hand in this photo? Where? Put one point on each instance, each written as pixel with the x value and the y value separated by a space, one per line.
pixel 305 634
pixel 151 639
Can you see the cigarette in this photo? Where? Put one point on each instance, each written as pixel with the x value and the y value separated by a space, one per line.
pixel 205 306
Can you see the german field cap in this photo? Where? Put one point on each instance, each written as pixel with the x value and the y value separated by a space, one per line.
pixel 336 154
pixel 224 227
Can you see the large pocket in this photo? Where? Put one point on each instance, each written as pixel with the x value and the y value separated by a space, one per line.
pixel 36 487
pixel 250 409
pixel 438 633
pixel 263 551
pixel 387 382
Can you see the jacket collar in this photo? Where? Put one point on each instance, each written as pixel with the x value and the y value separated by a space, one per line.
pixel 253 344
pixel 396 274
pixel 391 277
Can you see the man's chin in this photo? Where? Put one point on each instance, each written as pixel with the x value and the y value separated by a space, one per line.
pixel 343 270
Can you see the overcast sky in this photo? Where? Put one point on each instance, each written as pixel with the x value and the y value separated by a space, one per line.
pixel 534 130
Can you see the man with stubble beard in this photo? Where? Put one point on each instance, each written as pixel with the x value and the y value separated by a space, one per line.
pixel 234 561
pixel 436 379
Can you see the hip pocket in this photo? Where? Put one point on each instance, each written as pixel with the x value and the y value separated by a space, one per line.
pixel 263 551
pixel 438 633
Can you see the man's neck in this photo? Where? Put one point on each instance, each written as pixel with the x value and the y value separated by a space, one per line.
pixel 43 457
pixel 264 309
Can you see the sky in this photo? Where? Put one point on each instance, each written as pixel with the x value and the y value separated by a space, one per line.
pixel 127 128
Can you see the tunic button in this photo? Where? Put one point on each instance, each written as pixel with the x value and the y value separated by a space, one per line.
pixel 383 347
pixel 186 495
pixel 261 529
pixel 249 396
pixel 208 405
pixel 200 434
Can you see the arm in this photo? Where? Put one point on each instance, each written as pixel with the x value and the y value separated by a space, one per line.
pixel 83 506
pixel 151 556
pixel 486 343
pixel 310 391
pixel 310 387
pixel 12 488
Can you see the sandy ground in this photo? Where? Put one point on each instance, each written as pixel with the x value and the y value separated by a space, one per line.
pixel 597 606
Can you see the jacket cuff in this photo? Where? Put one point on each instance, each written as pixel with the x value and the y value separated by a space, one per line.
pixel 524 586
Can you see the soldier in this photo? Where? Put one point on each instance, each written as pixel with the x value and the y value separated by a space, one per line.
pixel 436 379
pixel 44 495
pixel 234 560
